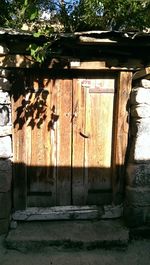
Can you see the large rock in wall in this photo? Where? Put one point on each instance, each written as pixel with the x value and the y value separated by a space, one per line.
pixel 137 205
pixel 5 151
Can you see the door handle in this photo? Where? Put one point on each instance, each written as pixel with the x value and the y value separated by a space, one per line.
pixel 74 115
pixel 84 135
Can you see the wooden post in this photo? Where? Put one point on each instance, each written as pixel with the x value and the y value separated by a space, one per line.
pixel 121 128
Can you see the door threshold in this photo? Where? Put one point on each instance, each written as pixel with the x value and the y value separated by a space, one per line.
pixel 68 213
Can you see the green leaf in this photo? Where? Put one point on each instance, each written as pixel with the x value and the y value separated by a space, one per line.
pixel 34 15
pixel 37 34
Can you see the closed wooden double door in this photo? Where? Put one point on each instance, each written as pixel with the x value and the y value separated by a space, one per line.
pixel 64 141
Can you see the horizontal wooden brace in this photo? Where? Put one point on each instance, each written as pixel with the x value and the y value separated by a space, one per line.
pixel 102 91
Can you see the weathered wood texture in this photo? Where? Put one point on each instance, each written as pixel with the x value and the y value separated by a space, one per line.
pixel 121 127
pixel 79 170
pixel 98 124
pixel 40 139
pixel 88 65
pixel 92 137
pixel 19 150
pixel 64 146
pixel 64 141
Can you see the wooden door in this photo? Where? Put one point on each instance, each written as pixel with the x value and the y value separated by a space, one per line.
pixel 93 108
pixel 49 146
pixel 64 142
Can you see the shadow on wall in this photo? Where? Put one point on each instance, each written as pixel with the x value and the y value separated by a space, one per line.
pixel 33 111
pixel 30 98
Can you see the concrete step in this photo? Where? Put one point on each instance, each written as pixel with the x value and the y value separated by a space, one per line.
pixel 68 235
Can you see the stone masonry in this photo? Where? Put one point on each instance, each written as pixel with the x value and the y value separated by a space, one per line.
pixel 5 150
pixel 137 205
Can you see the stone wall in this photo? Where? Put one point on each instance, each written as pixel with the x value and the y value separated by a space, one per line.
pixel 137 204
pixel 5 151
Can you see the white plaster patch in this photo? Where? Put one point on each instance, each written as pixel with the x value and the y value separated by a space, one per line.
pixel 141 148
pixel 145 83
pixel 4 97
pixel 140 111
pixel 5 147
pixel 140 95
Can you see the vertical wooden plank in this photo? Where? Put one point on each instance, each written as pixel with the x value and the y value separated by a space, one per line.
pixel 41 136
pixel 99 121
pixel 19 146
pixel 64 141
pixel 121 132
pixel 79 178
pixel 52 127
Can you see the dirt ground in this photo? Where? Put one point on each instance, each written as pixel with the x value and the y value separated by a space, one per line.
pixel 137 253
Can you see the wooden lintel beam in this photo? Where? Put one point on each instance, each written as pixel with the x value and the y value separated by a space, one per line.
pixel 84 39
